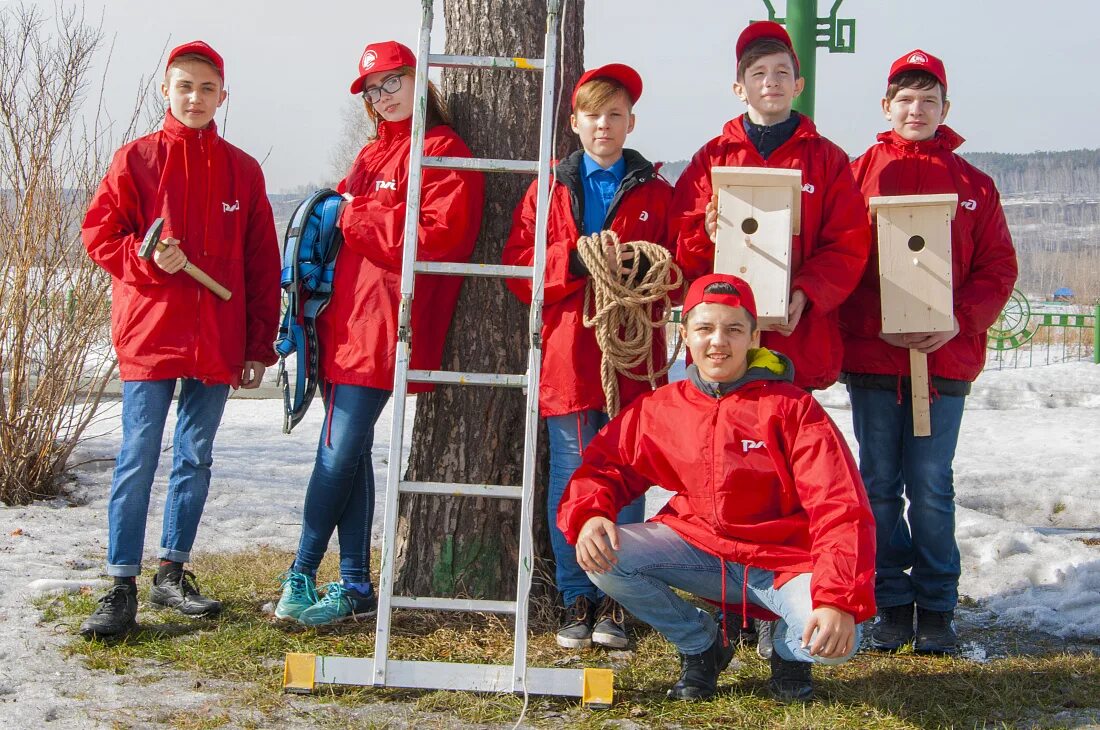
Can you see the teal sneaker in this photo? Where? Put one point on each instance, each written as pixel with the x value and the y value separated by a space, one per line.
pixel 340 603
pixel 299 593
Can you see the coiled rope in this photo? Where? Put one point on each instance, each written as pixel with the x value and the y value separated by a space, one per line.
pixel 622 308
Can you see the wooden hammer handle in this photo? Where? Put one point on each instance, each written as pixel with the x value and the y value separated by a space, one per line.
pixel 203 278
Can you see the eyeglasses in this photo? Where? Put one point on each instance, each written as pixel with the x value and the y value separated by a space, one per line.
pixel 390 85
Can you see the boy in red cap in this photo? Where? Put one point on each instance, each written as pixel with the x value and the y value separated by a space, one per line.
pixel 600 187
pixel 166 327
pixel 767 507
pixel 917 156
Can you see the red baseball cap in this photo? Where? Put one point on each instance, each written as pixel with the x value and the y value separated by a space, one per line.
pixel 200 48
pixel 764 29
pixel 385 56
pixel 743 297
pixel 620 72
pixel 918 60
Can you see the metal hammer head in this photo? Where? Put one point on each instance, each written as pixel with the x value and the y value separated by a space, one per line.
pixel 152 238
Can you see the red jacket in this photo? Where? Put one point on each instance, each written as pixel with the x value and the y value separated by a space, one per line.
pixel 213 200
pixel 828 257
pixel 761 476
pixel 570 377
pixel 983 260
pixel 357 332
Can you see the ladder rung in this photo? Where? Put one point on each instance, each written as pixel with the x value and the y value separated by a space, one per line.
pixel 453 604
pixel 525 64
pixel 500 491
pixel 497 270
pixel 455 378
pixel 482 164
pixel 447 675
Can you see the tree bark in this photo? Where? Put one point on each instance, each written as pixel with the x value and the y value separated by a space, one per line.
pixel 454 546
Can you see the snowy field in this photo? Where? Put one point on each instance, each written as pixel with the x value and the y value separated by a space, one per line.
pixel 1027 474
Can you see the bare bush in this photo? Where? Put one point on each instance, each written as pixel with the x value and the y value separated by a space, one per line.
pixel 55 356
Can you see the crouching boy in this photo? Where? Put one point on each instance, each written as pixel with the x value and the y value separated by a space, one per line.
pixel 768 507
pixel 166 327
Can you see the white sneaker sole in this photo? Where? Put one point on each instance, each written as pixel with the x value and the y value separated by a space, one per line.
pixel 611 641
pixel 573 643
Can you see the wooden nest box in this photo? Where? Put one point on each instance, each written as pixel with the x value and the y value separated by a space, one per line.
pixel 759 210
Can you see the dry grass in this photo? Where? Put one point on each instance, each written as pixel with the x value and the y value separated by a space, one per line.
pixel 872 691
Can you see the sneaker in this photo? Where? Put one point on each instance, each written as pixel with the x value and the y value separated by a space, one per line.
pixel 339 603
pixel 936 632
pixel 790 681
pixel 180 590
pixel 765 639
pixel 609 628
pixel 299 593
pixel 893 627
pixel 576 632
pixel 116 614
pixel 699 672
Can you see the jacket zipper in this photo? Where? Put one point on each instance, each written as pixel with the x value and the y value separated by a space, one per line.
pixel 714 461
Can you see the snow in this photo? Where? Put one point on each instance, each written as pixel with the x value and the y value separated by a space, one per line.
pixel 1026 475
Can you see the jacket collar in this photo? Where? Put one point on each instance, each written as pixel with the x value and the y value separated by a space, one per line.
pixel 638 169
pixel 176 129
pixel 764 365
pixel 389 131
pixel 945 140
pixel 734 130
pixel 568 172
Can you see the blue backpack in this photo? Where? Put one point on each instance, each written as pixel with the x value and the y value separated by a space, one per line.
pixel 310 247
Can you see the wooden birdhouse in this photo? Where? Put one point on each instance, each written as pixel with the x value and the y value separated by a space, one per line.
pixel 758 213
pixel 914 263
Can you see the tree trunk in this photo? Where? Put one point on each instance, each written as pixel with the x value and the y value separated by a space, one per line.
pixel 455 546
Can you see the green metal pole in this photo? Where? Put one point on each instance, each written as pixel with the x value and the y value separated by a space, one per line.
pixel 1096 334
pixel 802 25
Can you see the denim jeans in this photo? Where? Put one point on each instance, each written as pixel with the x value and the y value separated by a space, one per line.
pixel 568 436
pixel 340 495
pixel 893 462
pixel 654 559
pixel 145 405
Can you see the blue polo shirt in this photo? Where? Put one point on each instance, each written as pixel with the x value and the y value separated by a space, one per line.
pixel 600 186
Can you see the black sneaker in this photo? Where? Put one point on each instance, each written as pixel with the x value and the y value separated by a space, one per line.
pixel 699 672
pixel 765 639
pixel 791 681
pixel 893 627
pixel 116 614
pixel 609 629
pixel 180 591
pixel 576 632
pixel 936 632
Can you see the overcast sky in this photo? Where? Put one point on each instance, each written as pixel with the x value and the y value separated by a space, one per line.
pixel 1022 74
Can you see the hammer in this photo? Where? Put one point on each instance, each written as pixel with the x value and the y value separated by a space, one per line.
pixel 153 243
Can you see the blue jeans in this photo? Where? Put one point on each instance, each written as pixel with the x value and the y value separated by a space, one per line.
pixel 653 560
pixel 145 405
pixel 893 461
pixel 569 435
pixel 340 495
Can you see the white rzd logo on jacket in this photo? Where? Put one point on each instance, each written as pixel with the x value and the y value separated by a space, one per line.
pixel 229 208
pixel 385 185
pixel 747 444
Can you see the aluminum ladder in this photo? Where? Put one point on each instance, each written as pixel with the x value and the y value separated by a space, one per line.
pixel 303 672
